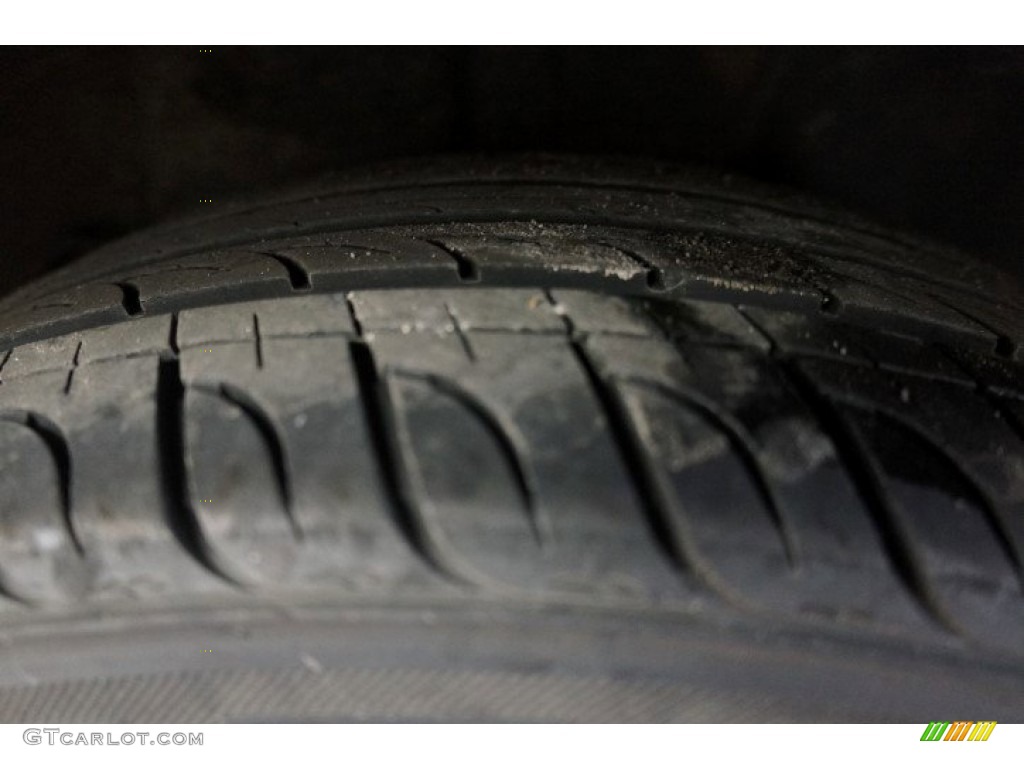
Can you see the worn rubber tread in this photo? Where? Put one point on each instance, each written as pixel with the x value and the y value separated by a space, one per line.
pixel 616 355
pixel 469 405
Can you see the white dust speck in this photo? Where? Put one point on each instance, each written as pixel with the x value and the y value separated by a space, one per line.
pixel 311 664
pixel 47 539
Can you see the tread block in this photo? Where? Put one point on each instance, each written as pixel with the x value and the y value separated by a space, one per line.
pixel 591 313
pixel 797 334
pixel 542 443
pixel 474 487
pixel 148 335
pixel 999 310
pixel 209 278
pixel 522 249
pixel 348 259
pixel 475 310
pixel 706 322
pixel 961 548
pixel 740 465
pixel 117 501
pixel 49 355
pixel 800 335
pixel 906 300
pixel 555 402
pixel 588 532
pixel 233 463
pixel 705 266
pixel 911 357
pixel 951 470
pixel 39 560
pixel 298 316
pixel 69 309
pixel 306 431
pixel 1000 376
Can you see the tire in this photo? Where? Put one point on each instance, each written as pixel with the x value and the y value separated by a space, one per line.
pixel 529 439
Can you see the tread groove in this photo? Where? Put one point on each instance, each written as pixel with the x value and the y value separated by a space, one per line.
pixel 460 332
pixel 831 304
pixel 1003 346
pixel 74 367
pixel 743 445
pixel 469 272
pixel 981 500
pixel 632 453
pixel 258 340
pixel 466 267
pixel 1015 422
pixel 634 456
pixel 3 362
pixel 489 449
pixel 60 451
pixel 357 324
pixel 272 438
pixel 814 398
pixel 130 299
pixel 381 424
pixel 654 275
pixel 882 508
pixel 742 201
pixel 298 275
pixel 170 435
pixel 1006 347
pixel 172 340
pixel 503 436
pixel 369 222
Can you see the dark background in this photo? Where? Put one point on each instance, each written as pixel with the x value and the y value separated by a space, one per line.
pixel 96 142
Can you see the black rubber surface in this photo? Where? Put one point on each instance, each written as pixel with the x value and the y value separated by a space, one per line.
pixel 517 441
